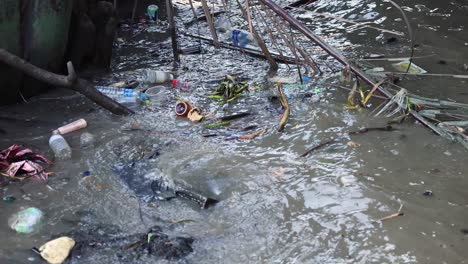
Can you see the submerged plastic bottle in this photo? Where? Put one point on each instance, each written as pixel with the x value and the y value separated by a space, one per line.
pixel 240 37
pixel 182 85
pixel 156 77
pixel 121 95
pixel 60 147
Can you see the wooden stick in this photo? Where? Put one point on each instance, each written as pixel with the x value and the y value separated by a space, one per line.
pixel 135 4
pixel 287 110
pixel 253 135
pixel 173 30
pixel 71 81
pixel 252 52
pixel 322 144
pixel 333 140
pixel 398 213
pixel 193 10
pixel 209 20
pixel 260 41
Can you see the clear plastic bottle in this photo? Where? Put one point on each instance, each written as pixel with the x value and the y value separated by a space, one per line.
pixel 182 85
pixel 156 77
pixel 60 147
pixel 121 95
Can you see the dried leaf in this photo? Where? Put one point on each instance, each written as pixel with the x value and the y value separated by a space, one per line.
pixel 369 95
pixel 195 115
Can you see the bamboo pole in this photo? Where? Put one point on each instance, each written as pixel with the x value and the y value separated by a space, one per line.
pixel 209 19
pixel 334 53
pixel 173 30
pixel 135 4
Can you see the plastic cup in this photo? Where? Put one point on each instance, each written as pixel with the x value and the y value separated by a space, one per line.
pixel 183 108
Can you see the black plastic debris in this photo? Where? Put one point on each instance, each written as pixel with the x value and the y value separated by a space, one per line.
pixel 428 193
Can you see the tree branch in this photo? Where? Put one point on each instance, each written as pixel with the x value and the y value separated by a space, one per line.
pixel 71 81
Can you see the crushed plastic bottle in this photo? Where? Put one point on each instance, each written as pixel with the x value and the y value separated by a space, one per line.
pixel 240 37
pixel 156 77
pixel 60 147
pixel 26 221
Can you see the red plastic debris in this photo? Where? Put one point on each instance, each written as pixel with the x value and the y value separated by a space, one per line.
pixel 22 163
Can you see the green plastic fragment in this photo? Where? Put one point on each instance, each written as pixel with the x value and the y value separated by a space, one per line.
pixel 150 235
pixel 9 199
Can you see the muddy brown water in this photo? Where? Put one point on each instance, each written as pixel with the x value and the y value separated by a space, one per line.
pixel 275 207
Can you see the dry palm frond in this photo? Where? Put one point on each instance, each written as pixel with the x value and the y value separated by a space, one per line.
pixel 396 104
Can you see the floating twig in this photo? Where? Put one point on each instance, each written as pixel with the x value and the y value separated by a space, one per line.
pixel 185 220
pixel 398 213
pixel 333 140
pixel 253 135
pixel 287 111
pixel 321 145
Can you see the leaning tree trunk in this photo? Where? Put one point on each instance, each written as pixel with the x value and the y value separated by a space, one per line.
pixel 71 81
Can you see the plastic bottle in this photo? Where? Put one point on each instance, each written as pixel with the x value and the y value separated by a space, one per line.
pixel 60 147
pixel 73 126
pixel 26 221
pixel 152 11
pixel 182 85
pixel 156 77
pixel 240 37
pixel 121 95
